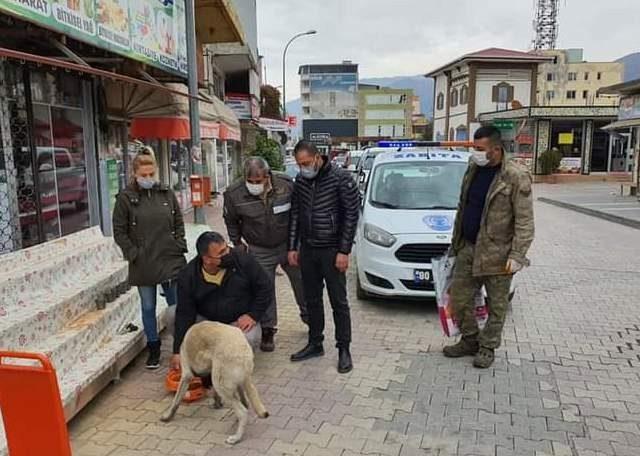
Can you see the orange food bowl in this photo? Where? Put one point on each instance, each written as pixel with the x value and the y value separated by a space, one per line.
pixel 195 391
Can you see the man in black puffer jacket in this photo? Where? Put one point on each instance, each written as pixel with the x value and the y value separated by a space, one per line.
pixel 325 207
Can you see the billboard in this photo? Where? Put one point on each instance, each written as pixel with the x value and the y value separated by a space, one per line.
pixel 150 31
pixel 629 108
pixel 333 96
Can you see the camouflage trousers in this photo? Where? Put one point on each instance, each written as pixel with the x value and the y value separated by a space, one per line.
pixel 463 289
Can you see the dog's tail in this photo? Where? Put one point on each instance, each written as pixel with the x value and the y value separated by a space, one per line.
pixel 254 398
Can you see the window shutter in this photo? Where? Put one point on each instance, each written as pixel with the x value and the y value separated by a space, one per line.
pixel 494 93
pixel 510 94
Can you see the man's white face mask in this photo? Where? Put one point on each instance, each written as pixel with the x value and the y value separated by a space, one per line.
pixel 479 158
pixel 255 189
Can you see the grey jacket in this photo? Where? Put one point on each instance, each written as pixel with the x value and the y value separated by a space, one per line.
pixel 260 220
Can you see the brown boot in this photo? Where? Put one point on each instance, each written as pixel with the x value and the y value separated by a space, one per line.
pixel 465 347
pixel 268 344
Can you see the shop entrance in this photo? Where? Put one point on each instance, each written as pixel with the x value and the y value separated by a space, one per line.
pixel 48 131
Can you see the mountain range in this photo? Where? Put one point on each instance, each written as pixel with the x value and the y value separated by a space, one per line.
pixel 631 66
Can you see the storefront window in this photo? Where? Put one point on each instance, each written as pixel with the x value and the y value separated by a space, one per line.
pixel 566 136
pixel 47 132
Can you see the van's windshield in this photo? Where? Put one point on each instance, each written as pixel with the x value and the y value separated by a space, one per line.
pixel 417 185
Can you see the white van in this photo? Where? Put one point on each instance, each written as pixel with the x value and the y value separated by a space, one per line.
pixel 409 208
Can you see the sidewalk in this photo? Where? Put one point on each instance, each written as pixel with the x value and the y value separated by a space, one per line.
pixel 598 199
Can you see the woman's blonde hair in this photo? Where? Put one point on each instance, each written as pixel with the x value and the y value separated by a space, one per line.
pixel 145 156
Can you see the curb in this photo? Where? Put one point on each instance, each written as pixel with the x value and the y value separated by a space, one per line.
pixel 598 214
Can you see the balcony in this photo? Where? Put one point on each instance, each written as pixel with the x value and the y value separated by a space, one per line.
pixel 217 22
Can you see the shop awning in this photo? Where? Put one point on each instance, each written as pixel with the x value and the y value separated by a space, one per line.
pixel 70 66
pixel 160 116
pixel 620 124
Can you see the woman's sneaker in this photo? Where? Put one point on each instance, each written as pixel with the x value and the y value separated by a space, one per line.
pixel 153 360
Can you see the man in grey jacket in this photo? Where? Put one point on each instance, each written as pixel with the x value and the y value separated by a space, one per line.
pixel 256 212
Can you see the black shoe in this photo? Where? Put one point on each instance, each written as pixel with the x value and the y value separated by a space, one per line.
pixel 268 344
pixel 310 351
pixel 153 361
pixel 344 361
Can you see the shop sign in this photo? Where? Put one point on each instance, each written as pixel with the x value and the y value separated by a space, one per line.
pixel 629 108
pixel 502 124
pixel 273 124
pixel 565 138
pixel 150 31
pixel 570 165
pixel 240 104
pixel 320 138
pixel 292 121
pixel 113 182
pixel 524 139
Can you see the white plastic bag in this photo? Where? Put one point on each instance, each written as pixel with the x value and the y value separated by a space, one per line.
pixel 442 269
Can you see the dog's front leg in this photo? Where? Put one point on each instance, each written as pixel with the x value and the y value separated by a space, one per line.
pixel 182 389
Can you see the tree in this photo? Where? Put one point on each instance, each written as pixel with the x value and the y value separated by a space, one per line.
pixel 269 149
pixel 270 102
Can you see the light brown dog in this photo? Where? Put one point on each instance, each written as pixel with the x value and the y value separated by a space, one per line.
pixel 222 351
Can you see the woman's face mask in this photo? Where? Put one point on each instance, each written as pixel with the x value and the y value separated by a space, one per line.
pixel 146 176
pixel 146 183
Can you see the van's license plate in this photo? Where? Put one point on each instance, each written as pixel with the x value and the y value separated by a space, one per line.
pixel 421 275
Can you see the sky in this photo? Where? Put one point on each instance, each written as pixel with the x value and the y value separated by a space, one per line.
pixel 409 37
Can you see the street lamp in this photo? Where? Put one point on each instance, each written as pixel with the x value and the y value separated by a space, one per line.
pixel 284 80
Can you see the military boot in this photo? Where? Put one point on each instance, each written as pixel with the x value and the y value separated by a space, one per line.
pixel 465 347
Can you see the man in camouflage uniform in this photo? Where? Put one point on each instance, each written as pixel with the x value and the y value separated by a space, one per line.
pixel 492 234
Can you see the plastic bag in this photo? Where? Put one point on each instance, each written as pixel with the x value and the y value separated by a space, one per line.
pixel 442 269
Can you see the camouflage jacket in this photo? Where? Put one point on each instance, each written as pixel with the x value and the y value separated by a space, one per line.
pixel 506 227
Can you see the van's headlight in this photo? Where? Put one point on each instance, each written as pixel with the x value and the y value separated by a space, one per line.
pixel 378 236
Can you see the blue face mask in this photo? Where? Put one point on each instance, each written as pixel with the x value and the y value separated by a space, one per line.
pixel 146 183
pixel 309 172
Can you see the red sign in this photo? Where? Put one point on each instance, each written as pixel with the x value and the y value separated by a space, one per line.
pixel 524 139
pixel 292 121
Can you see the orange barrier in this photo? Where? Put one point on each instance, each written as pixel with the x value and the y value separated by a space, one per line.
pixel 32 411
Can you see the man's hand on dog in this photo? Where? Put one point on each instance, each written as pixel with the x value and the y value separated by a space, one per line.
pixel 245 323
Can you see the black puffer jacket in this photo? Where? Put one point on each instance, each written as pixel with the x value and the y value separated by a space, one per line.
pixel 324 210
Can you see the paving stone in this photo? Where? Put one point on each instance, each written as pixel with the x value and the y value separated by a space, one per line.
pixel 560 385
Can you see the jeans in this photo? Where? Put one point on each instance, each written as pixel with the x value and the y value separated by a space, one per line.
pixel 318 267
pixel 269 259
pixel 148 298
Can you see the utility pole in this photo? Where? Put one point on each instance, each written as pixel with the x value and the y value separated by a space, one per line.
pixel 284 70
pixel 194 108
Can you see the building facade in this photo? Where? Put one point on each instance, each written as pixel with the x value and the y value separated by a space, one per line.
pixel 485 81
pixel 329 96
pixel 235 76
pixel 74 88
pixel 385 113
pixel 568 80
pixel 625 131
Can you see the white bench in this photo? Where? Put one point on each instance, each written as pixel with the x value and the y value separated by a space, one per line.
pixel 68 298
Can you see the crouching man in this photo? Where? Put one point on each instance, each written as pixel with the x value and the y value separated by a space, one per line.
pixel 222 285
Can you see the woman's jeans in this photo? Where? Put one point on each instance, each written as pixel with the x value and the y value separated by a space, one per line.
pixel 148 296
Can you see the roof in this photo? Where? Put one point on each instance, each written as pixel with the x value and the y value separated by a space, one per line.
pixel 625 88
pixel 422 153
pixel 494 55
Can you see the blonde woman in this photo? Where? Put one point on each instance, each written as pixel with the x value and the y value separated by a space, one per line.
pixel 148 227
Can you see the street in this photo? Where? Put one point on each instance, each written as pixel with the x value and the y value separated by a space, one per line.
pixel 565 381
